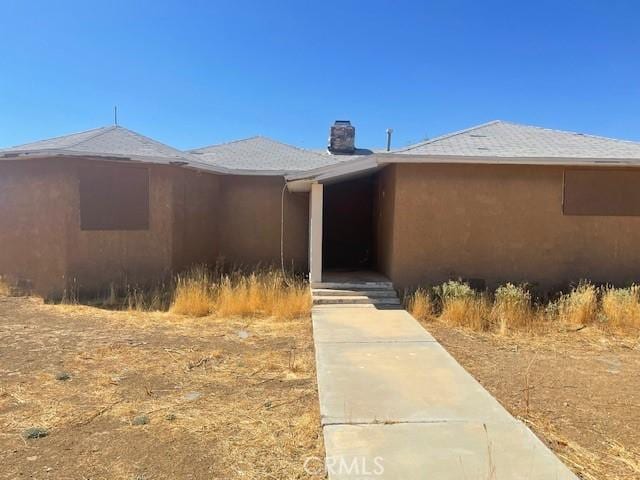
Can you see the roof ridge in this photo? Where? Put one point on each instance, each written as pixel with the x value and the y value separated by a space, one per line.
pixel 222 144
pixel 572 132
pixel 140 135
pixel 447 135
pixel 294 147
pixel 102 131
pixel 62 136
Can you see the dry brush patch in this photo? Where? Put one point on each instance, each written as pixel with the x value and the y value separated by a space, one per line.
pixel 155 395
pixel 512 309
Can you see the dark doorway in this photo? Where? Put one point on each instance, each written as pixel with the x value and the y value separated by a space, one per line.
pixel 348 225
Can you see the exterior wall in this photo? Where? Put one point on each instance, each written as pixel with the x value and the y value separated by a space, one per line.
pixel 501 223
pixel 250 220
pixel 384 204
pixel 44 248
pixel 98 258
pixel 35 209
pixel 196 204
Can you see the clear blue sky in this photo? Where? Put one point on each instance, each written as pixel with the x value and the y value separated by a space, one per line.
pixel 193 73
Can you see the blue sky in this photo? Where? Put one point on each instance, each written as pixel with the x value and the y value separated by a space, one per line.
pixel 193 73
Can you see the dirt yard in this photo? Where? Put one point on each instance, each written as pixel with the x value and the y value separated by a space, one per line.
pixel 579 391
pixel 153 395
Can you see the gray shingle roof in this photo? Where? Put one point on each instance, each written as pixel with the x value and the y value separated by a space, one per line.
pixel 505 139
pixel 112 140
pixel 264 154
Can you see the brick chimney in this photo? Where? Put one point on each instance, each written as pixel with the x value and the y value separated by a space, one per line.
pixel 342 137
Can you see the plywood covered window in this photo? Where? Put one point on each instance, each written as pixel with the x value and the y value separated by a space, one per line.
pixel 604 192
pixel 114 197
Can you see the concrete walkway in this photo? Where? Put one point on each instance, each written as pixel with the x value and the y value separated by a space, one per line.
pixel 395 405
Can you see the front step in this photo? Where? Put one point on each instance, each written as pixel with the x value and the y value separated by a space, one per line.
pixel 332 292
pixel 378 294
pixel 353 285
pixel 354 300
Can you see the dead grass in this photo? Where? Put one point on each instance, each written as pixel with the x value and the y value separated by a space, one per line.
pixel 264 293
pixel 420 304
pixel 231 398
pixel 5 289
pixel 621 308
pixel 511 309
pixel 577 308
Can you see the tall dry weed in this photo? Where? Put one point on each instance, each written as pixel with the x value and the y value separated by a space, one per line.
pixel 463 307
pixel 420 304
pixel 577 308
pixel 621 308
pixel 262 293
pixel 512 309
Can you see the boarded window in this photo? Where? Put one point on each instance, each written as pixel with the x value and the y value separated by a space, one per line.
pixel 114 197
pixel 601 192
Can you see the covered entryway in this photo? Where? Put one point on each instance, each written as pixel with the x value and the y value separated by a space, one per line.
pixel 348 237
pixel 345 227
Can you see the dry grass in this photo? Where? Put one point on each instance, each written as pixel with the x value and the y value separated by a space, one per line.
pixel 231 398
pixel 621 308
pixel 5 289
pixel 512 309
pixel 579 307
pixel 420 304
pixel 264 293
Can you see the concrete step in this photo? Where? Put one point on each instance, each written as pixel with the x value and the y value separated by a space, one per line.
pixel 353 285
pixel 353 300
pixel 330 292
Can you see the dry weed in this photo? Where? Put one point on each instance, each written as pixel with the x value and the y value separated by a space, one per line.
pixel 420 304
pixel 579 307
pixel 621 308
pixel 512 309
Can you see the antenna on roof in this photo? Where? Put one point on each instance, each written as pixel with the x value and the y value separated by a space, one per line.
pixel 115 115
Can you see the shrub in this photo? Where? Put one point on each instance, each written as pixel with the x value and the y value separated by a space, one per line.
pixel 621 308
pixel 462 306
pixel 512 308
pixel 578 307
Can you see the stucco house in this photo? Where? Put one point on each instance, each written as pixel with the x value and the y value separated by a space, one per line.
pixel 493 203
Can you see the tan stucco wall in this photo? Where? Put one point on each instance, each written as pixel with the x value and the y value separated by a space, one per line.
pixel 250 220
pixel 97 258
pixel 35 209
pixel 384 203
pixel 501 223
pixel 42 244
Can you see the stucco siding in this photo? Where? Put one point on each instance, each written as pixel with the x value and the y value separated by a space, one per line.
pixel 251 218
pixel 35 208
pixel 499 223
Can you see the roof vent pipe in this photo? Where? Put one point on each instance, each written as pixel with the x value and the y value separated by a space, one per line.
pixel 389 132
pixel 342 137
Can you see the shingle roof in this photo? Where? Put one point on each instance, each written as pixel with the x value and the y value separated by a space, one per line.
pixel 505 139
pixel 112 140
pixel 264 154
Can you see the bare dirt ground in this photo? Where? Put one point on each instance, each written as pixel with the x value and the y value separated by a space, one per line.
pixel 154 395
pixel 578 391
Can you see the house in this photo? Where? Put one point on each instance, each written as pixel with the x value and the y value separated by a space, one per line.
pixel 493 203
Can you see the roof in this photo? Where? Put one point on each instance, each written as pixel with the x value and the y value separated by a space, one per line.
pixel 493 142
pixel 504 139
pixel 114 140
pixel 111 142
pixel 259 153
